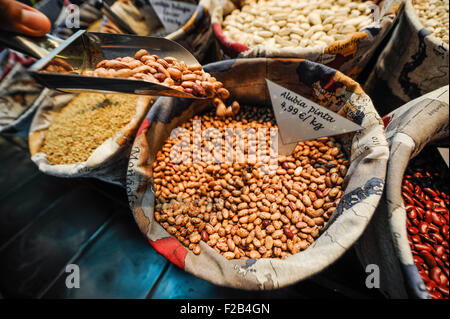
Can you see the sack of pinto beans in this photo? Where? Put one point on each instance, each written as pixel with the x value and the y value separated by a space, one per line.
pixel 408 237
pixel 229 221
pixel 186 22
pixel 86 135
pixel 415 60
pixel 340 34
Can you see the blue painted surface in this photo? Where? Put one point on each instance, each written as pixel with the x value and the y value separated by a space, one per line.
pixel 119 264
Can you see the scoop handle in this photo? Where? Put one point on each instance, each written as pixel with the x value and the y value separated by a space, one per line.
pixel 37 47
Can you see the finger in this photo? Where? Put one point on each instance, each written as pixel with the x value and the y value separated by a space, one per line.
pixel 18 17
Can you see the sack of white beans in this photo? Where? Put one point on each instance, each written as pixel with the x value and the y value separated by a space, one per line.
pixel 341 34
pixel 86 134
pixel 194 31
pixel 415 60
pixel 231 224
pixel 409 129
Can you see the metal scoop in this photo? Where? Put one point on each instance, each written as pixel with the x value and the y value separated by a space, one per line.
pixel 84 50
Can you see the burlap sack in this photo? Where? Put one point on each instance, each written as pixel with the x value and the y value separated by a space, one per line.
pixel 348 56
pixel 385 243
pixel 245 78
pixel 196 35
pixel 108 162
pixel 413 63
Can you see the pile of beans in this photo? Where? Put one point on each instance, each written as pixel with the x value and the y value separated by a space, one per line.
pixel 434 16
pixel 167 71
pixel 306 23
pixel 239 211
pixel 84 124
pixel 426 197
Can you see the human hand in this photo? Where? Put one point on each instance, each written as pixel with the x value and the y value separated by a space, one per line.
pixel 18 17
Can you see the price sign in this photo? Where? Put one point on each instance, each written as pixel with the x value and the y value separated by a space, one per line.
pixel 173 14
pixel 300 119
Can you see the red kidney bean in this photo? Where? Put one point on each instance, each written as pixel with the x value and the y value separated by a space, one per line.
pixel 443 290
pixel 435 275
pixel 444 280
pixel 418 260
pixel 412 214
pixel 436 295
pixel 438 239
pixel 422 247
pixel 423 227
pixel 416 239
pixel 436 218
pixel 428 258
pixel 428 216
pixel 430 192
pixel 408 199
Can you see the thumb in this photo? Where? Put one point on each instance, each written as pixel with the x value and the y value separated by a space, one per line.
pixel 18 17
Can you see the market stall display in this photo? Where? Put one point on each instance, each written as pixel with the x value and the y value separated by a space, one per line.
pixel 197 150
pixel 412 221
pixel 151 174
pixel 415 60
pixel 341 34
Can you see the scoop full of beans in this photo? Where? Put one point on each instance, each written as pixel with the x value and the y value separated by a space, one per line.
pixel 434 16
pixel 306 23
pixel 239 211
pixel 167 71
pixel 426 197
pixel 170 72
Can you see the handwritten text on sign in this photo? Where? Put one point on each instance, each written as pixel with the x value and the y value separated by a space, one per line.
pixel 300 119
pixel 173 15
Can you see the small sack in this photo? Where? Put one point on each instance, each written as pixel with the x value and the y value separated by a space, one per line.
pixel 413 63
pixel 367 151
pixel 385 243
pixel 107 162
pixel 348 56
pixel 196 35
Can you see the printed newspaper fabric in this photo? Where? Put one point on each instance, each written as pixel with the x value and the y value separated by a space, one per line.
pixel 108 162
pixel 408 130
pixel 19 94
pixel 246 79
pixel 195 34
pixel 348 56
pixel 413 63
pixel 385 242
